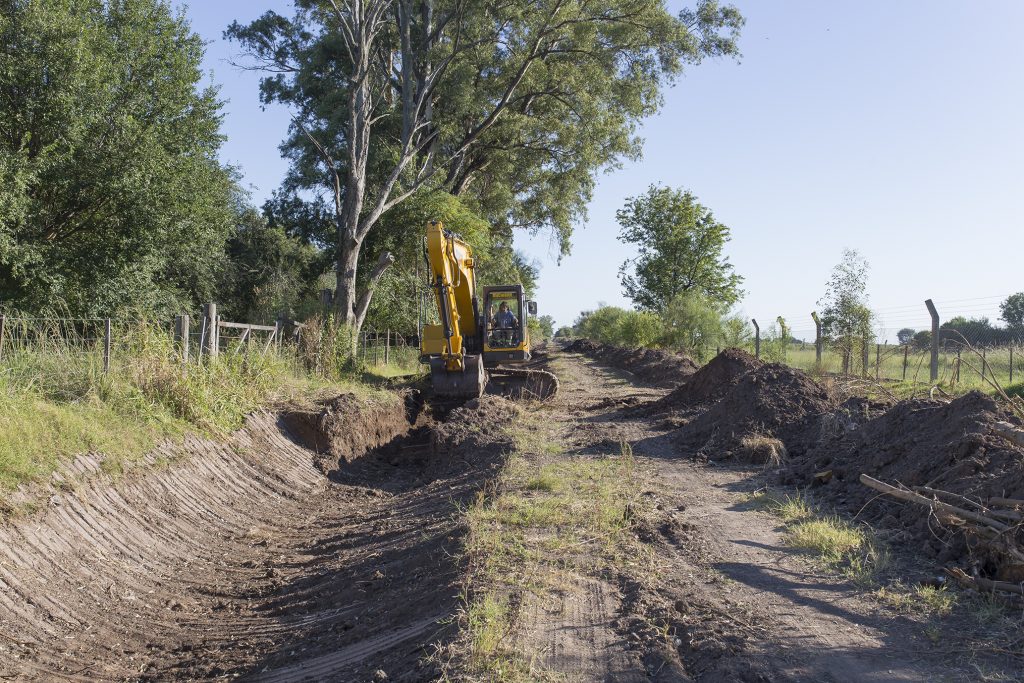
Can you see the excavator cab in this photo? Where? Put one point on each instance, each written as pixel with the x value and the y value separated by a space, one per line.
pixel 504 324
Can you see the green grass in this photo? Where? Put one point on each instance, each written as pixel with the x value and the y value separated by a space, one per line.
pixel 551 519
pixel 56 402
pixel 833 541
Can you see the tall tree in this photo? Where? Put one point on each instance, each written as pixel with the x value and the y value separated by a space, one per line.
pixel 1012 312
pixel 680 245
pixel 846 319
pixel 111 195
pixel 514 103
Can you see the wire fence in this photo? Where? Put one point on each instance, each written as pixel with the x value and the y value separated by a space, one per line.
pixel 955 351
pixel 33 347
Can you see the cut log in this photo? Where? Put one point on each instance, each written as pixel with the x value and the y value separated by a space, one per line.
pixel 912 497
pixel 1009 432
pixel 984 585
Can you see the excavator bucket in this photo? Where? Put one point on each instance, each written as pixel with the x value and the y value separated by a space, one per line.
pixel 468 383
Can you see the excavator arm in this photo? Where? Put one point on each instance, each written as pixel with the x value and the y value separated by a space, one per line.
pixel 452 348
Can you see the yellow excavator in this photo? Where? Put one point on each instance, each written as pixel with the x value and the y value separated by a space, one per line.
pixel 473 343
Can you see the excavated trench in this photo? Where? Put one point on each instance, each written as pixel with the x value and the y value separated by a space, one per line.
pixel 313 545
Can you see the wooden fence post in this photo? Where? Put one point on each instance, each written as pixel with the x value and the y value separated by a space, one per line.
pixel 3 326
pixel 181 335
pixel 1011 347
pixel 106 345
pixel 757 339
pixel 958 352
pixel 387 347
pixel 878 361
pixel 212 329
pixel 906 359
pixel 984 362
pixel 934 374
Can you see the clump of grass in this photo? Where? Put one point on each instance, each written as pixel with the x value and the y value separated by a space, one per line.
pixel 833 540
pixel 921 598
pixel 763 449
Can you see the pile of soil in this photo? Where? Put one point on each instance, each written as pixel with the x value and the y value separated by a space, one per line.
pixel 947 446
pixel 770 401
pixel 708 384
pixel 655 366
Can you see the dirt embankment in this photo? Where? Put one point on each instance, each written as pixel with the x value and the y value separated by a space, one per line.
pixel 654 366
pixel 738 407
pixel 278 555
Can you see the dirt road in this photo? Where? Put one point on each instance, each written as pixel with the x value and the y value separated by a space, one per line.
pixel 731 602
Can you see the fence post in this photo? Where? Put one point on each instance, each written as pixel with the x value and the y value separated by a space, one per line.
pixel 984 362
pixel 387 347
pixel 878 360
pixel 181 335
pixel 934 374
pixel 1011 347
pixel 3 325
pixel 212 329
pixel 817 337
pixel 865 353
pixel 757 339
pixel 106 345
pixel 958 352
pixel 906 359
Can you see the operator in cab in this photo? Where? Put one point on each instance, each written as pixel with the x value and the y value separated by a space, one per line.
pixel 504 323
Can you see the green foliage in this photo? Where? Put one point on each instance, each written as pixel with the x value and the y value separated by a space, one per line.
pixel 680 248
pixel 693 324
pixel 905 336
pixel 268 272
pixel 111 195
pixel 978 331
pixel 922 341
pixel 846 319
pixel 564 332
pixel 519 132
pixel 1011 312
pixel 542 328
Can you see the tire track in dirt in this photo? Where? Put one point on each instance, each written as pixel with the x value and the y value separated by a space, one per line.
pixel 255 557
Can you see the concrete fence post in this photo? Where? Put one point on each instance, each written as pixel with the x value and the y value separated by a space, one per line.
pixel 934 374
pixel 757 339
pixel 817 337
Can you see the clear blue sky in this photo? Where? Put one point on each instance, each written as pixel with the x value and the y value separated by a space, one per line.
pixel 891 128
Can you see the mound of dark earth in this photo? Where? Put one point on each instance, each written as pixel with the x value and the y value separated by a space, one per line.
pixel 770 401
pixel 948 446
pixel 709 383
pixel 655 366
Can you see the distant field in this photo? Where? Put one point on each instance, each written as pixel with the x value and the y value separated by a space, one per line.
pixel 891 364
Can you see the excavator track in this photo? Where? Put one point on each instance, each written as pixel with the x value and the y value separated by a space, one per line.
pixel 523 383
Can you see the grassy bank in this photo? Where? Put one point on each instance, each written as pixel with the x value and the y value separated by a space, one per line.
pixel 56 401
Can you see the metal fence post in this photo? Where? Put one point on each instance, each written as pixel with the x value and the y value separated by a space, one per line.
pixel 934 374
pixel 757 339
pixel 106 345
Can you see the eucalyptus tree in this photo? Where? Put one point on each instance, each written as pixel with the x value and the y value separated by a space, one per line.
pixel 513 105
